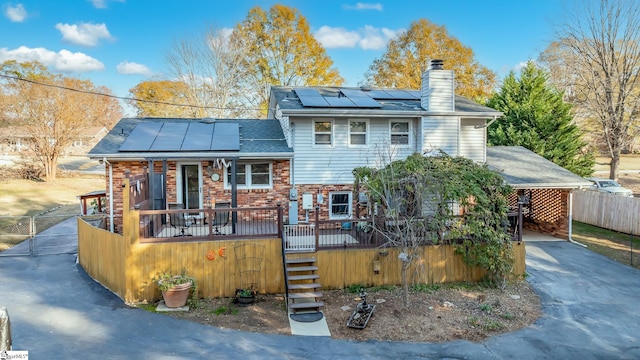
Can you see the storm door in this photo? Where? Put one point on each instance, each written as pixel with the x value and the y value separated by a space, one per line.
pixel 189 186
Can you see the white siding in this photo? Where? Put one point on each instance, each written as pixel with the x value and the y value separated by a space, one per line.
pixel 473 142
pixel 333 164
pixel 437 90
pixel 440 132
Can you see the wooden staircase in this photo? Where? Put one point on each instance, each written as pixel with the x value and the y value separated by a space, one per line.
pixel 302 285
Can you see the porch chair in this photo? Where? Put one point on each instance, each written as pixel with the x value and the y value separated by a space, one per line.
pixel 221 218
pixel 179 220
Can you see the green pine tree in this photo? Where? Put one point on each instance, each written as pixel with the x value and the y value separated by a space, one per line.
pixel 536 117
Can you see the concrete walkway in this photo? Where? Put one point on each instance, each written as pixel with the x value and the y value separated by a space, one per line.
pixel 590 306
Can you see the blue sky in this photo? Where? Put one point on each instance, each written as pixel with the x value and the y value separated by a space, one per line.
pixel 118 43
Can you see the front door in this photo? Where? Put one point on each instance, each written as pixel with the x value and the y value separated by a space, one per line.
pixel 189 186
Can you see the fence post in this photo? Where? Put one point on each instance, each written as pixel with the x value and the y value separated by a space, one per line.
pixel 280 220
pixel 32 233
pixel 317 225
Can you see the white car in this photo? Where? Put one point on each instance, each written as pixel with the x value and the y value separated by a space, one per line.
pixel 609 186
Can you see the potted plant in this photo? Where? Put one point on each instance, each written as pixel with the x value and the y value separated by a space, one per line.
pixel 245 296
pixel 176 289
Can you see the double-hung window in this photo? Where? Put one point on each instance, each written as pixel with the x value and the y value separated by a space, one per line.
pixel 251 175
pixel 399 132
pixel 357 132
pixel 323 132
pixel 339 205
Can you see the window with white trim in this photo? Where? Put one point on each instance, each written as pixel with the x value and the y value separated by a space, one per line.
pixel 399 131
pixel 339 205
pixel 322 132
pixel 358 132
pixel 251 175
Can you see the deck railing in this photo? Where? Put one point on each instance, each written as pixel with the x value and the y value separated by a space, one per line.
pixel 266 222
pixel 210 224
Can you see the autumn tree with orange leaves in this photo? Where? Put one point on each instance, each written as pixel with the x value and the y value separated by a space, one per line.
pixel 408 56
pixel 41 103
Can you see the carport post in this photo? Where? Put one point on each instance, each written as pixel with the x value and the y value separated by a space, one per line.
pixel 571 220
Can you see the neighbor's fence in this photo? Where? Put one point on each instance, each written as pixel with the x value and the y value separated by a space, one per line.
pixel 37 235
pixel 607 211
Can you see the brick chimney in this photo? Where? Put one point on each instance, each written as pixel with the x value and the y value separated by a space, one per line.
pixel 437 88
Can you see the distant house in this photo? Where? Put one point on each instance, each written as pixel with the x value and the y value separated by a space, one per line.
pixel 303 155
pixel 16 139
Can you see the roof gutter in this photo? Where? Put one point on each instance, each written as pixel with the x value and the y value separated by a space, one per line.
pixel 383 113
pixel 190 156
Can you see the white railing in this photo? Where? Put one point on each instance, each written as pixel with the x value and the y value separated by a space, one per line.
pixel 299 237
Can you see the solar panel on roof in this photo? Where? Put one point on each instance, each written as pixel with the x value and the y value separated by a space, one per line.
pixel 379 94
pixel 313 101
pixel 354 93
pixel 142 137
pixel 307 91
pixel 170 137
pixel 226 136
pixel 183 136
pixel 198 137
pixel 366 102
pixel 339 101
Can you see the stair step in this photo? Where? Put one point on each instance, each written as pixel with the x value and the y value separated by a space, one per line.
pixel 305 295
pixel 306 305
pixel 300 260
pixel 303 277
pixel 302 268
pixel 304 286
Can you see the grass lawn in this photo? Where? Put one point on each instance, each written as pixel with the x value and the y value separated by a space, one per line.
pixel 55 201
pixel 614 245
pixel 627 162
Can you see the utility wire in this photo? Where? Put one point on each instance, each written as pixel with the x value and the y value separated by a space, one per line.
pixel 123 97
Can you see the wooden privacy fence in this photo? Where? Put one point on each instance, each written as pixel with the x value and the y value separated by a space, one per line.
pixel 607 211
pixel 128 267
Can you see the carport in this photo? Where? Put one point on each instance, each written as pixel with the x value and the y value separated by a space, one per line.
pixel 547 188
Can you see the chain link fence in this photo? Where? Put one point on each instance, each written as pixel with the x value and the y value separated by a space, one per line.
pixel 38 235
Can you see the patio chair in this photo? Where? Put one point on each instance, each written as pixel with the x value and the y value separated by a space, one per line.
pixel 179 220
pixel 221 218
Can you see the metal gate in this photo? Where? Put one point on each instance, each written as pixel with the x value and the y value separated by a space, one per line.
pixel 38 235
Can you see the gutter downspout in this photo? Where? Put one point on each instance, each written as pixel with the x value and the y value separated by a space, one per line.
pixel 111 225
pixel 571 220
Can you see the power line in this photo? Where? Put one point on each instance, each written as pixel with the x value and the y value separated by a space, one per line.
pixel 124 97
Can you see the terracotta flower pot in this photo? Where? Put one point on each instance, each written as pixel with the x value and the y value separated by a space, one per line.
pixel 177 296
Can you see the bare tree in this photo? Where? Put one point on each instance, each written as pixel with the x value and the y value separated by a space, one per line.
pixel 596 59
pixel 209 65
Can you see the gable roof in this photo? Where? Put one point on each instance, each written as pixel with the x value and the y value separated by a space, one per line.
pixel 524 169
pixel 142 138
pixel 365 101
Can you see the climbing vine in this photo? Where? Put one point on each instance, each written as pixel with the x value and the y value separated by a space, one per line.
pixel 441 199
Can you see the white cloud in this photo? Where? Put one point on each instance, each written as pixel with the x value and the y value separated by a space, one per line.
pixel 363 6
pixel 101 4
pixel 131 68
pixel 332 38
pixel 375 38
pixel 16 13
pixel 63 61
pixel 85 34
pixel 367 38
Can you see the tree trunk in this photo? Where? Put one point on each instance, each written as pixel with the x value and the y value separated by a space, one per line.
pixel 405 284
pixel 613 166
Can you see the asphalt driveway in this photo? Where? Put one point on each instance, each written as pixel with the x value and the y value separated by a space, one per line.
pixel 591 310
